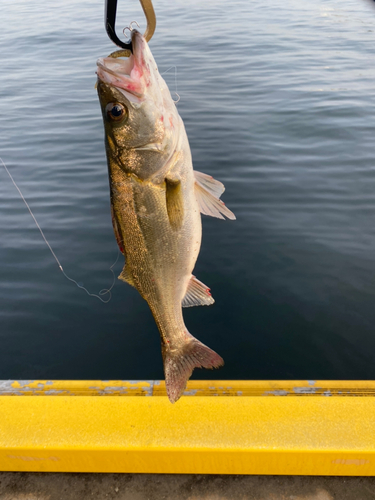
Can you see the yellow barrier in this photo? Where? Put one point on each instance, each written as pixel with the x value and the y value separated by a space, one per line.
pixel 227 427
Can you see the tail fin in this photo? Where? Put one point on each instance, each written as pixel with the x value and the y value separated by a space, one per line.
pixel 179 364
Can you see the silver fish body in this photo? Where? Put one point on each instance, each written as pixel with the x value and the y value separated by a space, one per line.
pixel 156 200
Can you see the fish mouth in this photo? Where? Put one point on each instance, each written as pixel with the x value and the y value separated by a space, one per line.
pixel 115 66
pixel 125 74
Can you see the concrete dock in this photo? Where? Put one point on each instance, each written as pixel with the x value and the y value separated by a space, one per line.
pixel 102 430
pixel 56 486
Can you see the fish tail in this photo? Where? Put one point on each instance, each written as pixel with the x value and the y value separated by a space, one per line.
pixel 180 362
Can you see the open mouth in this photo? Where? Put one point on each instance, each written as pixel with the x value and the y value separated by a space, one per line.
pixel 122 73
pixel 116 67
pixel 118 73
pixel 126 74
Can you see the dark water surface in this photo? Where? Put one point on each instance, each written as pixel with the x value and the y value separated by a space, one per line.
pixel 278 103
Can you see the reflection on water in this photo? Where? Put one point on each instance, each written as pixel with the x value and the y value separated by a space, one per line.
pixel 279 105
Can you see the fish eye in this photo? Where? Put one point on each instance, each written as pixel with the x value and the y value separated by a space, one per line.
pixel 115 111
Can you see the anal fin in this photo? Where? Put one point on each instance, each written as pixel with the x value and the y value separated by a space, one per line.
pixel 197 294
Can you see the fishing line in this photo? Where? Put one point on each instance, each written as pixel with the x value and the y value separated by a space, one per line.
pixel 102 292
pixel 175 81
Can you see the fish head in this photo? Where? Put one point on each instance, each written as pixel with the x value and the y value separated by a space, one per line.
pixel 138 112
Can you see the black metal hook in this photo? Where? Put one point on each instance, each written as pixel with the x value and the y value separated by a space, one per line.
pixel 110 20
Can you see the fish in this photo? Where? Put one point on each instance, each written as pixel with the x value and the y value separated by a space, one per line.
pixel 156 203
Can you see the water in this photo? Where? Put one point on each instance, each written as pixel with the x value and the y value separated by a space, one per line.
pixel 278 103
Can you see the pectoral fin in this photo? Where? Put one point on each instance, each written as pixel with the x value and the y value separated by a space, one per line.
pixel 197 294
pixel 175 203
pixel 208 191
pixel 116 231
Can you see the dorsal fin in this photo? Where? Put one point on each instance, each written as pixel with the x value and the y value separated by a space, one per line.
pixel 197 294
pixel 126 275
pixel 208 191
